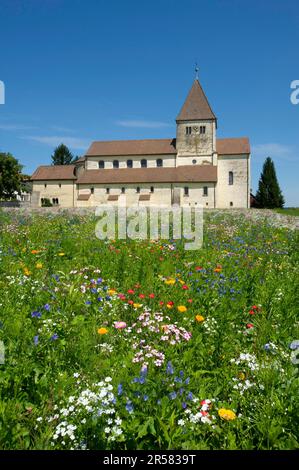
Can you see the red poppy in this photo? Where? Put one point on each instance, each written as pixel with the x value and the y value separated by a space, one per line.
pixel 141 296
pixel 131 291
pixel 190 301
pixel 161 303
pixel 130 302
pixel 198 268
pixel 251 312
pixel 170 303
pixel 151 296
pixel 204 413
pixel 249 325
pixel 185 287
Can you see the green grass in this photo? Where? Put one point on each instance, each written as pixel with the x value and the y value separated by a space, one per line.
pixel 214 327
pixel 289 211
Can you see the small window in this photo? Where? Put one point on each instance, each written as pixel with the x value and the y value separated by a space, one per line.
pixel 55 201
pixel 194 162
pixel 91 190
pixel 230 178
pixel 159 162
pixel 207 203
pixel 107 190
pixel 138 190
pixel 152 189
pixel 231 203
pixel 186 191
pixel 130 163
pixel 188 130
pixel 115 164
pixel 143 163
pixel 59 185
pixel 45 186
pixel 205 190
pixel 101 164
pixel 123 190
pixel 202 129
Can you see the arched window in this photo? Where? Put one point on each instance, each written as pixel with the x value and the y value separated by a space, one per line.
pixel 138 190
pixel 186 191
pixel 159 162
pixel 115 164
pixel 130 163
pixel 101 164
pixel 143 163
pixel 230 177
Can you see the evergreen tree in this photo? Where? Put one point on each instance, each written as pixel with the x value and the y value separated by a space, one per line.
pixel 269 194
pixel 62 155
pixel 10 175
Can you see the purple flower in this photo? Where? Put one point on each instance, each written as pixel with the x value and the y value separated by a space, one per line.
pixel 100 299
pixel 172 395
pixel 190 396
pixel 145 397
pixel 187 380
pixel 129 406
pixel 100 280
pixel 267 347
pixel 47 307
pixel 169 368
pixel 120 389
pixel 294 344
pixel 184 405
pixel 36 314
pixel 88 302
pixel 35 340
pixel 54 337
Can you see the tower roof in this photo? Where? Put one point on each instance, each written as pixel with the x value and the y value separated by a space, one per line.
pixel 196 106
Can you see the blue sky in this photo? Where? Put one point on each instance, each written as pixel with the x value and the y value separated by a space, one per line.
pixel 77 71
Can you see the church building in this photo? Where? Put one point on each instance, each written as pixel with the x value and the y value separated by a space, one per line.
pixel 195 168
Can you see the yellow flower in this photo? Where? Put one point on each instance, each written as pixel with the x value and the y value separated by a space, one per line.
pixel 170 282
pixel 39 265
pixel 102 331
pixel 27 272
pixel 182 308
pixel 60 254
pixel 137 305
pixel 199 318
pixel 241 376
pixel 227 415
pixel 181 281
pixel 111 291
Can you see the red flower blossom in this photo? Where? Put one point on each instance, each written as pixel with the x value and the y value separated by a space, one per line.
pixel 141 296
pixel 249 325
pixel 185 287
pixel 151 296
pixel 251 312
pixel 190 301
pixel 161 303
pixel 130 302
pixel 131 291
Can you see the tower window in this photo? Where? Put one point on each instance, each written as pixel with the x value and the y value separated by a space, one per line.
pixel 101 164
pixel 205 190
pixel 115 164
pixel 202 129
pixel 152 189
pixel 130 163
pixel 188 130
pixel 138 190
pixel 123 190
pixel 186 191
pixel 230 177
pixel 143 163
pixel 159 162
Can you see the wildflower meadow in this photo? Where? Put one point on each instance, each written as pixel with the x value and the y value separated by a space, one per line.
pixel 140 344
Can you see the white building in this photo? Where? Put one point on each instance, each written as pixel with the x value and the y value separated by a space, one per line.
pixel 194 168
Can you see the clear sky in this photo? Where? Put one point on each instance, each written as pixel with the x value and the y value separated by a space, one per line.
pixel 83 70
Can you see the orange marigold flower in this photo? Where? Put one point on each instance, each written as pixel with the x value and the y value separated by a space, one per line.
pixel 102 331
pixel 227 415
pixel 199 318
pixel 35 252
pixel 182 308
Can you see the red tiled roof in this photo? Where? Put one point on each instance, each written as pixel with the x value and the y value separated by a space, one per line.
pixel 196 106
pixel 233 146
pixel 54 172
pixel 181 174
pixel 132 147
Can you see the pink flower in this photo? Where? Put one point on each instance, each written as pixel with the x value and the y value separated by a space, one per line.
pixel 120 325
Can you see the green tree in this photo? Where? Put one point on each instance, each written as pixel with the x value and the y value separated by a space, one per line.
pixel 62 155
pixel 269 194
pixel 10 175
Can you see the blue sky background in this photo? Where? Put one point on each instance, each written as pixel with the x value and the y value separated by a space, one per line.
pixel 83 70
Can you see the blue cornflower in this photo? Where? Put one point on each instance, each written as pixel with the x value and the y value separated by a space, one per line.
pixel 36 314
pixel 187 380
pixel 178 380
pixel 169 368
pixel 145 397
pixel 54 337
pixel 172 395
pixel 190 396
pixel 267 347
pixel 135 380
pixel 294 344
pixel 88 302
pixel 120 389
pixel 129 406
pixel 181 391
pixel 100 299
pixel 108 297
pixel 181 373
pixel 35 340
pixel 93 290
pixel 100 280
pixel 143 371
pixel 47 307
pixel 142 380
pixel 184 405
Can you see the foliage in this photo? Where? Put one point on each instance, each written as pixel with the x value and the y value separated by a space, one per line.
pixel 269 194
pixel 46 202
pixel 10 179
pixel 62 155
pixel 143 345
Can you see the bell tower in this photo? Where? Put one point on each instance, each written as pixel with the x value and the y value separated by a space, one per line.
pixel 196 129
